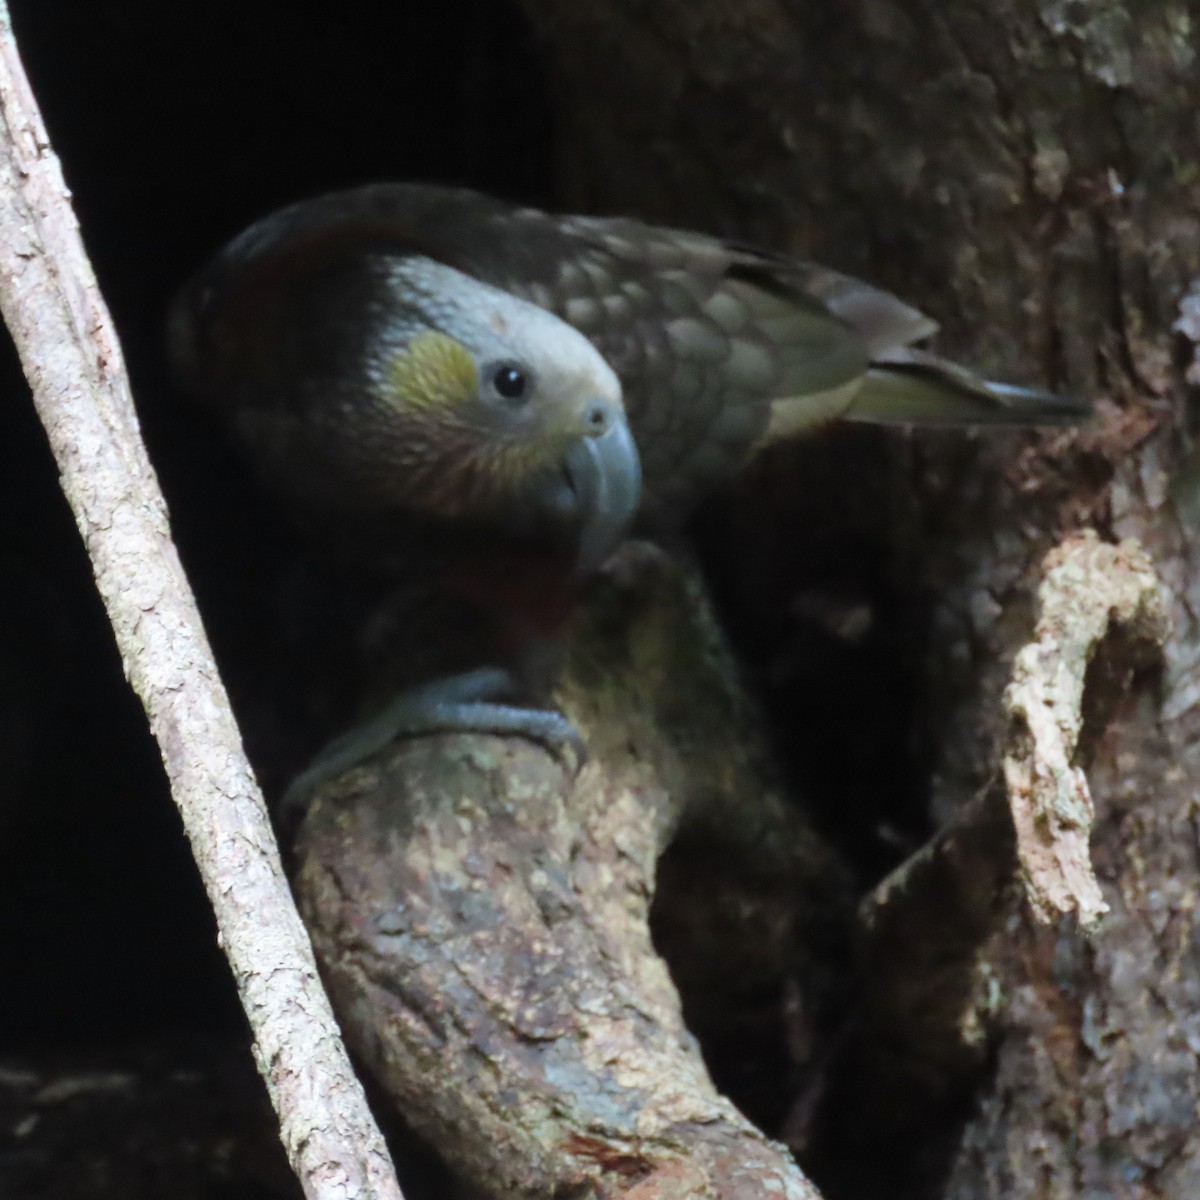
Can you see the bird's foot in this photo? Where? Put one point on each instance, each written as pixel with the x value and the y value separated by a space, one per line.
pixel 468 703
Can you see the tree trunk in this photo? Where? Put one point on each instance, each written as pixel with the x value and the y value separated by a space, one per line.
pixel 1026 171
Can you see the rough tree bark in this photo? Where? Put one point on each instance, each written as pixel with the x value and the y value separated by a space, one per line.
pixel 1027 171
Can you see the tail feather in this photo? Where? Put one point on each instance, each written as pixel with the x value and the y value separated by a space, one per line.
pixel 911 387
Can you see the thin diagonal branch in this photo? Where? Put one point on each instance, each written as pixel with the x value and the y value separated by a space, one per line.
pixel 73 361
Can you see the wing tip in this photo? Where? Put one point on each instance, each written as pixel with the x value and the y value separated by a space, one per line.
pixel 1040 406
pixel 911 387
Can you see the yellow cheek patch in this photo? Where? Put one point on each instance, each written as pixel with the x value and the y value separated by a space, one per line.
pixel 436 372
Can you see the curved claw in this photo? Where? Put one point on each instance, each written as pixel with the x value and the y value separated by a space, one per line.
pixel 457 704
pixel 550 729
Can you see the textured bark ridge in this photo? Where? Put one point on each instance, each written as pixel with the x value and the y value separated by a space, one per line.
pixel 483 919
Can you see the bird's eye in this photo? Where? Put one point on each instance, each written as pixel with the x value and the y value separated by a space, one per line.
pixel 511 382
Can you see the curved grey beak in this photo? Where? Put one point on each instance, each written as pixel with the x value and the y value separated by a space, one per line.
pixel 605 474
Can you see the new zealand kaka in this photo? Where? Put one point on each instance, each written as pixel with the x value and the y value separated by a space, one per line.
pixel 460 390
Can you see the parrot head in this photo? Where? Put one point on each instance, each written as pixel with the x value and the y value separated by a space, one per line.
pixel 500 407
pixel 383 385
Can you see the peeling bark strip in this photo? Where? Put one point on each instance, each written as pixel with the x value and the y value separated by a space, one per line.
pixel 483 922
pixel 73 361
pixel 1090 591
